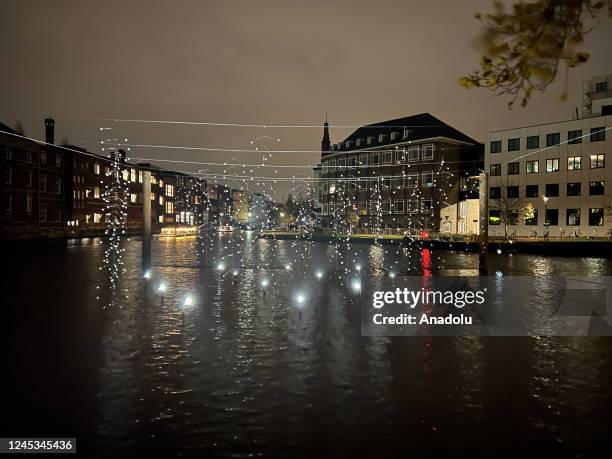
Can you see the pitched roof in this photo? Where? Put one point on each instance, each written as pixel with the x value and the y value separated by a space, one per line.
pixel 422 126
pixel 5 128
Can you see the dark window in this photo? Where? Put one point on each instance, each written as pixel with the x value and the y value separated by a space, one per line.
pixel 552 216
pixel 533 142
pixel 513 217
pixel 606 110
pixel 572 217
pixel 602 86
pixel 552 190
pixel 494 217
pixel 514 144
pixel 596 188
pixel 496 146
pixel 598 134
pixel 596 217
pixel 513 168
pixel 495 169
pixel 573 189
pixel 513 192
pixel 553 139
pixel 531 191
pixel 533 220
pixel 574 137
pixel 495 192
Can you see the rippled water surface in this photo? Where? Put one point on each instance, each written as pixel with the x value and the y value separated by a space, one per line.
pixel 247 370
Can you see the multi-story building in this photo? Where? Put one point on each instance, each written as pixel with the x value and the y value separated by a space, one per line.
pixel 32 188
pixel 554 178
pixel 394 176
pixel 50 190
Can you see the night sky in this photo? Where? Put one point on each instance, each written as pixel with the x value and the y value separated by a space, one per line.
pixel 254 62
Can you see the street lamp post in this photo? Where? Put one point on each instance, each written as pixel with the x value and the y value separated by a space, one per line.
pixel 546 222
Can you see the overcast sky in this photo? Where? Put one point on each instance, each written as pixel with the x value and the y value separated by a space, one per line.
pixel 254 62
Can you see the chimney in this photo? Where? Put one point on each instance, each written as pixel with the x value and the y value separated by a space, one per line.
pixel 49 130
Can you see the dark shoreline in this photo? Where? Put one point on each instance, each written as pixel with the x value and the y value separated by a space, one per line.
pixel 565 247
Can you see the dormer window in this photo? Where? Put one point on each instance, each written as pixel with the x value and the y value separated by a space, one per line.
pixel 381 138
pixel 406 133
pixel 348 143
pixel 394 135
pixel 359 142
pixel 371 140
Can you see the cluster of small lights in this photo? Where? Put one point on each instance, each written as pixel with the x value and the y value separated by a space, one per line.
pixel 115 196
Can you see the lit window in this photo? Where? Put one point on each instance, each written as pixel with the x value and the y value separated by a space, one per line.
pixel 552 165
pixel 574 163
pixel 97 168
pixel 596 217
pixel 532 167
pixel 597 161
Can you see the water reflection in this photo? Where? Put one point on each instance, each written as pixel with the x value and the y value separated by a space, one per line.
pixel 247 370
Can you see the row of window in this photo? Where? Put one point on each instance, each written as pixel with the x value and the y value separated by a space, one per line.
pixel 400 156
pixel 8 207
pixel 597 134
pixel 369 140
pixel 388 206
pixel 551 190
pixel 408 181
pixel 572 217
pixel 574 163
pixel 42 157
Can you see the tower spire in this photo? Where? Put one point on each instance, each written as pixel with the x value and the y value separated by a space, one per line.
pixel 325 142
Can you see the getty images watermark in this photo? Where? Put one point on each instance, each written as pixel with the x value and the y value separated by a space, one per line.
pixel 483 306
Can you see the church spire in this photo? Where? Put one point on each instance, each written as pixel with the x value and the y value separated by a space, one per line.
pixel 325 143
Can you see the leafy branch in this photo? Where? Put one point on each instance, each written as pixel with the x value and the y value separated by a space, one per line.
pixel 525 48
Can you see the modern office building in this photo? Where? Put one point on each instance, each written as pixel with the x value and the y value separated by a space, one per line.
pixel 396 176
pixel 554 178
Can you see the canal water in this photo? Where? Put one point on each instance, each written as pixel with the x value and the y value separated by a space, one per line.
pixel 247 353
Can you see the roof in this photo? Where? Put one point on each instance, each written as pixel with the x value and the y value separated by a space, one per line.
pixel 422 126
pixel 5 128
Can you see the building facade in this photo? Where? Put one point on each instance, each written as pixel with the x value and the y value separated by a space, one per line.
pixel 554 178
pixel 394 176
pixel 52 190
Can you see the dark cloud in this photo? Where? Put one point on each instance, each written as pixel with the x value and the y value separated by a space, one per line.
pixel 264 62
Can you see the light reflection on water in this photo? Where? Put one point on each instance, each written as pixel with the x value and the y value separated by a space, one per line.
pixel 249 370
